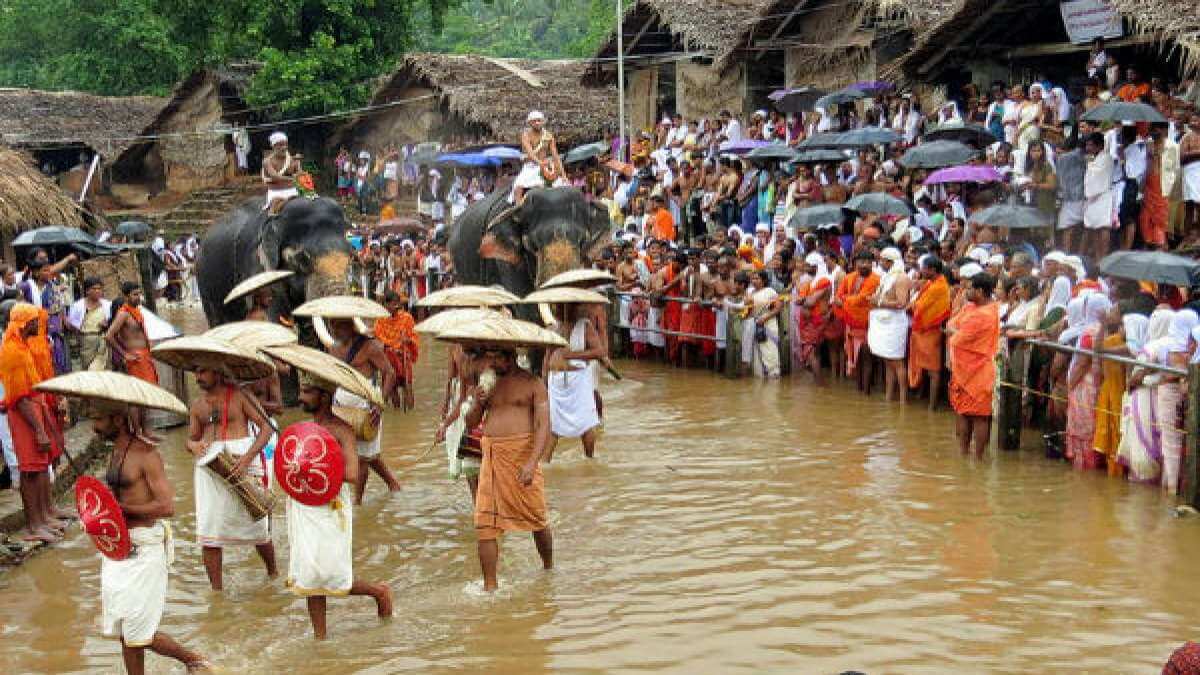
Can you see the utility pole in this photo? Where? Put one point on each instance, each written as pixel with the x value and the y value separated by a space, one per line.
pixel 620 86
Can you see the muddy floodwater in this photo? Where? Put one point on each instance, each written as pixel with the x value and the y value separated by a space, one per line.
pixel 725 526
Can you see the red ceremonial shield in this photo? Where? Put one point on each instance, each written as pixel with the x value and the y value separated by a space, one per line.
pixel 308 464
pixel 102 518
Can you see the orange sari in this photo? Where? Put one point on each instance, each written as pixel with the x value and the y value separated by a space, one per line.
pixel 973 359
pixel 930 312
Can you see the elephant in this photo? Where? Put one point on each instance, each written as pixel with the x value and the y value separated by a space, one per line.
pixel 553 230
pixel 307 236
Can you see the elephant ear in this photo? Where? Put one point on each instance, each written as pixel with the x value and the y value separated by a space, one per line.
pixel 600 230
pixel 501 240
pixel 270 243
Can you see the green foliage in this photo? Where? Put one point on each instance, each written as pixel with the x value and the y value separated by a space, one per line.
pixel 535 29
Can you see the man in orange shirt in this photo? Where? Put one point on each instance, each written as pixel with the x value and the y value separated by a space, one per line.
pixel 853 306
pixel 1134 88
pixel 662 224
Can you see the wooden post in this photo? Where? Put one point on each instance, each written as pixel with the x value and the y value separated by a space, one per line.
pixel 616 348
pixel 1008 418
pixel 1191 466
pixel 144 256
pixel 784 320
pixel 733 344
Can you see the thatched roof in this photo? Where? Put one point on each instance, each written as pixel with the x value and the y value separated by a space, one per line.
pixel 29 199
pixel 494 95
pixel 107 124
pixel 1167 20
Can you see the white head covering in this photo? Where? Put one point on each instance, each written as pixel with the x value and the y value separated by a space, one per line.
pixel 1076 263
pixel 535 115
pixel 762 227
pixel 818 261
pixel 1038 86
pixel 735 232
pixel 1064 104
pixel 892 253
pixel 276 138
pixel 969 270
pixel 979 255
pixel 1135 331
pixel 1076 317
pixel 995 259
pixel 1055 257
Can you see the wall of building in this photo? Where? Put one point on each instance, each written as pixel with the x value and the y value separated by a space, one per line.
pixel 193 160
pixel 703 92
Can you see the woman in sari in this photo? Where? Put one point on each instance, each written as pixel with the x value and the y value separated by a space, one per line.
pixel 1109 403
pixel 1029 118
pixel 1040 184
pixel 1172 350
pixel 765 307
pixel 1141 443
pixel 811 301
pixel 1083 385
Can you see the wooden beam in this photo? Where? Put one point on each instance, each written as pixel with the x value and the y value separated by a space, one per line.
pixel 529 78
pixel 1054 48
pixel 980 21
pixel 633 43
pixel 783 24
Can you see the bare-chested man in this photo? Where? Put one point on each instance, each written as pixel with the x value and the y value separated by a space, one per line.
pixel 569 381
pixel 542 164
pixel 126 338
pixel 260 304
pixel 279 170
pixel 321 537
pixel 516 434
pixel 367 356
pixel 219 422
pixel 887 333
pixel 133 591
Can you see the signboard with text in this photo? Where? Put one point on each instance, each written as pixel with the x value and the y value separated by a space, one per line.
pixel 1086 20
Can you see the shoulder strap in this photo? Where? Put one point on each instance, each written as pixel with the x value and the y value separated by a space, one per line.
pixel 225 412
pixel 355 348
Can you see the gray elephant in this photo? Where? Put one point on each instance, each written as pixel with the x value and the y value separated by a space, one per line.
pixel 518 247
pixel 307 236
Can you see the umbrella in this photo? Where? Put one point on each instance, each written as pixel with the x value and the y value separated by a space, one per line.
pixel 881 203
pixel 252 334
pixel 824 140
pixel 54 235
pixel 815 216
pixel 467 159
pixel 1119 111
pixel 343 307
pixel 839 97
pixel 200 351
pixel 869 136
pixel 937 154
pixel 509 333
pixel 872 87
pixel 114 387
pixel 819 156
pixel 774 152
pixel 564 295
pixel 796 100
pixel 133 229
pixel 1014 216
pixel 455 318
pixel 328 368
pixel 583 278
pixel 585 152
pixel 504 153
pixel 967 173
pixel 963 133
pixel 741 147
pixel 468 296
pixel 1156 266
pixel 256 282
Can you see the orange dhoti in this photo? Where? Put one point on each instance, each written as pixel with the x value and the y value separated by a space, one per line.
pixel 973 359
pixel 854 341
pixel 699 320
pixel 924 353
pixel 672 319
pixel 143 368
pixel 502 504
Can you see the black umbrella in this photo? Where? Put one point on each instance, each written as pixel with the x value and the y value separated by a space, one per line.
pixel 797 100
pixel 815 216
pixel 881 203
pixel 819 156
pixel 1014 216
pixel 585 152
pixel 1117 111
pixel 937 154
pixel 1156 266
pixel 133 229
pixel 839 97
pixel 869 136
pixel 964 133
pixel 54 235
pixel 825 139
pixel 774 152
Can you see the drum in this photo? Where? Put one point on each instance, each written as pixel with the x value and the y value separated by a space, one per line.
pixel 249 489
pixel 102 518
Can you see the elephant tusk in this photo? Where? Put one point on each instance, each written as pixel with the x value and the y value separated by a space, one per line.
pixel 547 315
pixel 322 332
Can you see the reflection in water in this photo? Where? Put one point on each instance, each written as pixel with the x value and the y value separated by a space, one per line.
pixel 725 526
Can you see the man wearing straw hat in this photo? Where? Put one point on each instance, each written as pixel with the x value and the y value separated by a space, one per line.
pixel 219 421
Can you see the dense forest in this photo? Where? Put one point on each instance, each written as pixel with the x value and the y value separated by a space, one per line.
pixel 318 56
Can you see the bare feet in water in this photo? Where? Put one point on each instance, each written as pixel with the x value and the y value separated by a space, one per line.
pixel 41 534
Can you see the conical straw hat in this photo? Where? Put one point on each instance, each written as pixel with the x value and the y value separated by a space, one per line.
pixel 200 351
pixel 253 334
pixel 329 368
pixel 565 295
pixel 453 318
pixel 503 332
pixel 256 282
pixel 343 307
pixel 582 278
pixel 468 296
pixel 115 388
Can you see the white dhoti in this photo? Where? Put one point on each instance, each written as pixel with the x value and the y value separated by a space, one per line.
pixel 1070 214
pixel 321 560
pixel 365 449
pixel 623 305
pixel 530 177
pixel 1191 182
pixel 722 327
pixel 1098 211
pixel 654 321
pixel 887 333
pixel 572 402
pixel 459 466
pixel 221 517
pixel 282 193
pixel 133 591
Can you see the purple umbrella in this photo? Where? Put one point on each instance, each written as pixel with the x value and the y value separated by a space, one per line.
pixel 742 147
pixel 872 87
pixel 967 173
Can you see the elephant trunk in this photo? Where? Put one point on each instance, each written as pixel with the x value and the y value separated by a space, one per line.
pixel 557 257
pixel 329 276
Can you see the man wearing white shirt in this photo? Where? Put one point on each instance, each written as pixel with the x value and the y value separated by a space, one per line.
pixel 733 128
pixel 1097 193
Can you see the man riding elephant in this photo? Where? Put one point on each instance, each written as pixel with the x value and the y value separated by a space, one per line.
pixel 279 171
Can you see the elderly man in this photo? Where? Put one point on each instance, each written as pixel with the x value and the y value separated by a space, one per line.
pixel 887 332
pixel 279 171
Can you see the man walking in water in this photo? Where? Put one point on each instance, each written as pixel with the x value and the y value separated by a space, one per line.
pixel 542 165
pixel 516 434
pixel 219 422
pixel 367 356
pixel 569 381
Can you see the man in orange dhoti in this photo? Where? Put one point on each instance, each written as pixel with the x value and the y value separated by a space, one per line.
pixel 667 282
pixel 399 337
pixel 974 337
pixel 515 413
pixel 930 310
pixel 853 306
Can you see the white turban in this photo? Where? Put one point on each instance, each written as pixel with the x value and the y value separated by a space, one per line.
pixel 979 255
pixel 1076 263
pixel 996 260
pixel 535 116
pixel 277 138
pixel 969 270
pixel 892 253
pixel 1055 257
pixel 762 227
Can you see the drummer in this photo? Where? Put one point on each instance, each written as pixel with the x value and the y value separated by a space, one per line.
pixel 220 421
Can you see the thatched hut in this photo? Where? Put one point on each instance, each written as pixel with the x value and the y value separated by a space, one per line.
pixel 187 145
pixel 1025 40
pixel 468 100
pixel 29 199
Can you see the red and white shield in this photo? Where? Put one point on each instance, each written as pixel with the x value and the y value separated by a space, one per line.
pixel 102 518
pixel 308 464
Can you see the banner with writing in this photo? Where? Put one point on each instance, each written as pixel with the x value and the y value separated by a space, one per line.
pixel 1086 20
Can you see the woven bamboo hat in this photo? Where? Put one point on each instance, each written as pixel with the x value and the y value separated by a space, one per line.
pixel 565 295
pixel 343 307
pixel 468 296
pixel 581 278
pixel 113 387
pixel 326 368
pixel 454 318
pixel 503 332
pixel 201 351
pixel 256 282
pixel 253 334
